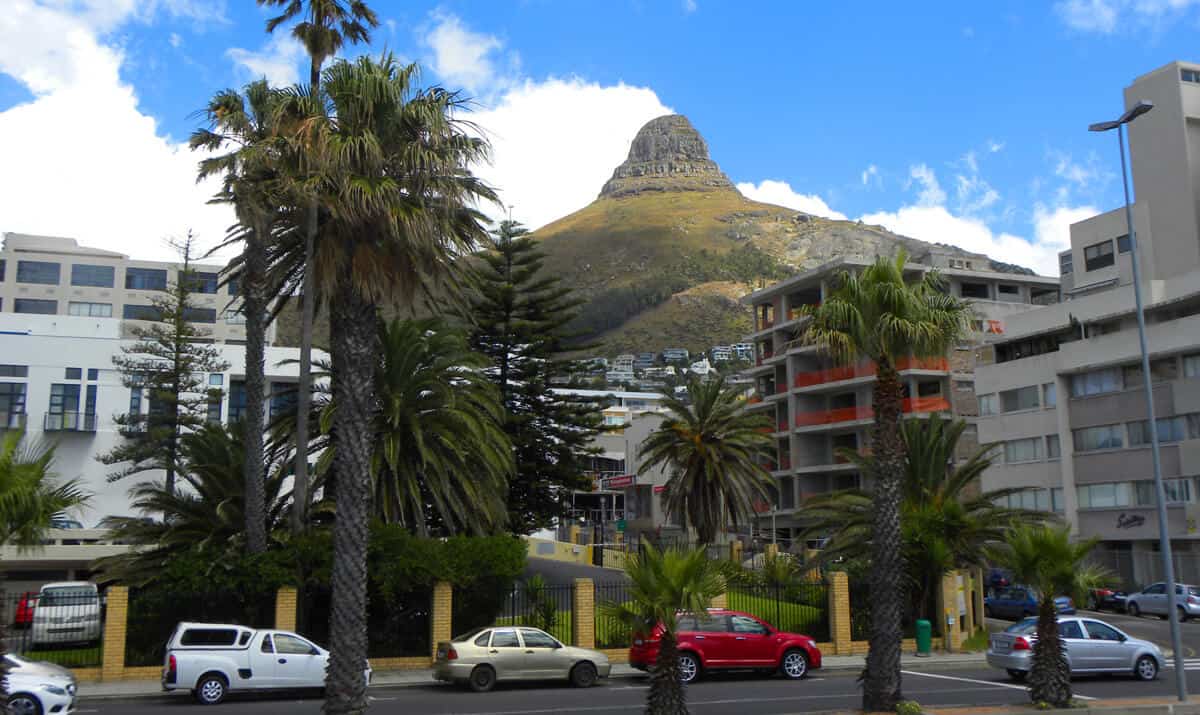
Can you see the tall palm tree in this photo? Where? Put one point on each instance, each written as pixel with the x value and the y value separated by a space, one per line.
pixel 879 315
pixel 944 522
pixel 326 26
pixel 713 449
pixel 663 585
pixel 399 194
pixel 1045 558
pixel 245 128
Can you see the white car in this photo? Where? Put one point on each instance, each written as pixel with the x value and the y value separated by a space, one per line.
pixel 39 688
pixel 1092 645
pixel 66 612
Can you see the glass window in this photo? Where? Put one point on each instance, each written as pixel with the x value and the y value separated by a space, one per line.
pixel 482 640
pixel 89 310
pixel 686 623
pixel 1098 631
pixel 1065 264
pixel 92 276
pixel 266 644
pixel 1022 398
pixel 1049 395
pixel 89 406
pixel 234 285
pixel 200 315
pixel 979 291
pixel 787 495
pixel 291 645
pixel 1023 450
pixel 237 399
pixel 43 272
pixel 1100 496
pixel 1053 449
pixel 1123 243
pixel 537 639
pixel 1070 629
pixel 135 401
pixel 1189 75
pixel 35 306
pixel 233 316
pixel 93 374
pixel 712 624
pixel 208 636
pixel 73 373
pixel 199 282
pixel 14 371
pixel 505 638
pixel 1056 500
pixel 1098 255
pixel 283 398
pixel 1096 382
pixel 745 624
pixel 64 398
pixel 213 413
pixel 1191 366
pixel 1160 371
pixel 1170 429
pixel 12 404
pixel 3 265
pixel 1103 437
pixel 216 379
pixel 141 312
pixel 987 404
pixel 146 278
pixel 1008 289
pixel 1178 491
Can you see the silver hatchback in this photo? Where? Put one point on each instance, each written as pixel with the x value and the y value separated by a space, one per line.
pixel 1092 647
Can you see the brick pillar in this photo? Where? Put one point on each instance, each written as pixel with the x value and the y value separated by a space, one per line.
pixel 583 614
pixel 948 608
pixel 771 550
pixel 441 617
pixel 116 615
pixel 575 531
pixel 285 609
pixel 839 612
pixel 735 551
pixel 721 601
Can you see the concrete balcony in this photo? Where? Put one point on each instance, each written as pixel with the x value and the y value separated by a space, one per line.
pixel 1115 465
pixel 1124 406
pixel 838 377
pixel 865 413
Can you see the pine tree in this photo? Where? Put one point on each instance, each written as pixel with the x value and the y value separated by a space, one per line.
pixel 520 320
pixel 169 365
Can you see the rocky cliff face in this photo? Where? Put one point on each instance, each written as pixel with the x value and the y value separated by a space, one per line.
pixel 668 154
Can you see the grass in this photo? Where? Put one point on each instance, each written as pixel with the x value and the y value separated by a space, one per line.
pixel 784 615
pixel 69 657
pixel 977 642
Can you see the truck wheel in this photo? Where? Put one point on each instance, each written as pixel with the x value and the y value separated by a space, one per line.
pixel 211 689
pixel 482 679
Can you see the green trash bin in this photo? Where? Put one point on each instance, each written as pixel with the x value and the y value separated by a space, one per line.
pixel 924 637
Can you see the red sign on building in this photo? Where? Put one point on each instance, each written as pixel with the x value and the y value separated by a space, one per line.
pixel 625 480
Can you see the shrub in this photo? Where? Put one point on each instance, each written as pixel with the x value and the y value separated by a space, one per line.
pixel 908 707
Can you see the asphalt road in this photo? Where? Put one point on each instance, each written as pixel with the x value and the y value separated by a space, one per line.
pixel 732 694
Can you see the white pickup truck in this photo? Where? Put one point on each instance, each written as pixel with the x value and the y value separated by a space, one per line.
pixel 213 659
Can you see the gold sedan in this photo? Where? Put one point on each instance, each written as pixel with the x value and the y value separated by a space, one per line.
pixel 486 656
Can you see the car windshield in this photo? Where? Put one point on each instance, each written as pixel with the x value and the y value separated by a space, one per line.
pixel 1024 626
pixel 67 597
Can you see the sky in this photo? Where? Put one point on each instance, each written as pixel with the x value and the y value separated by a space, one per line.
pixel 963 123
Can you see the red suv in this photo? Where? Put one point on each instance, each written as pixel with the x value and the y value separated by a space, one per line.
pixel 730 639
pixel 24 614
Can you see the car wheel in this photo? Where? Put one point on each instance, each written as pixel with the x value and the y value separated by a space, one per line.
pixel 794 664
pixel 583 675
pixel 1091 603
pixel 689 667
pixel 24 704
pixel 987 611
pixel 1017 675
pixel 1132 609
pixel 1146 668
pixel 1183 616
pixel 482 679
pixel 211 689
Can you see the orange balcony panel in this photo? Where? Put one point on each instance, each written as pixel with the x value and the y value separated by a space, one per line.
pixel 911 363
pixel 754 399
pixel 866 369
pixel 849 414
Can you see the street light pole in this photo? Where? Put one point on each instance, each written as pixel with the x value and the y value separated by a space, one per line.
pixel 1164 536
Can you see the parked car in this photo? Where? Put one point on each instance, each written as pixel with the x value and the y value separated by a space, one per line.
pixel 723 639
pixel 1018 602
pixel 998 579
pixel 67 612
pixel 38 688
pixel 486 656
pixel 1107 599
pixel 1093 646
pixel 23 616
pixel 1153 600
pixel 214 659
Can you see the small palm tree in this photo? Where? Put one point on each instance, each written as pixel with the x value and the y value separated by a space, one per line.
pixel 879 315
pixel 1046 559
pixel 663 585
pixel 713 449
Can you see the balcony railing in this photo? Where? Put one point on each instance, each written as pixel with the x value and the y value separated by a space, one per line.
pixel 12 420
pixel 867 369
pixel 69 422
pixel 850 414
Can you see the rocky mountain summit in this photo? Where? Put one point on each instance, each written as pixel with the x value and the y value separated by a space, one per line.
pixel 668 154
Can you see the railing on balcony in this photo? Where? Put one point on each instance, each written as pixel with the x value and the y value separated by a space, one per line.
pixel 867 369
pixel 69 422
pixel 12 420
pixel 850 414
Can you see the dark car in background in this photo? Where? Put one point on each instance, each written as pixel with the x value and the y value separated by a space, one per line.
pixel 1106 599
pixel 1020 602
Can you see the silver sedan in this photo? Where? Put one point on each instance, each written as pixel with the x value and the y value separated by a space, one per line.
pixel 486 656
pixel 1092 646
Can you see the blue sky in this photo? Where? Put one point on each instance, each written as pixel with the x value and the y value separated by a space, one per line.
pixel 956 122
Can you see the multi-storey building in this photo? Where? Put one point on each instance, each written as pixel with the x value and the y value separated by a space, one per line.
pixel 1062 389
pixel 45 275
pixel 818 407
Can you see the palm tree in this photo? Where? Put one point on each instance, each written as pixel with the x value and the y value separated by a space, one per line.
pixel 879 315
pixel 944 523
pixel 713 448
pixel 324 29
pixel 1045 558
pixel 245 127
pixel 663 585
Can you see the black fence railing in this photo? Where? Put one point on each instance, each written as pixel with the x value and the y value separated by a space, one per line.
pixel 154 613
pixel 610 631
pixel 860 613
pixel 398 626
pixel 62 625
pixel 798 607
pixel 547 608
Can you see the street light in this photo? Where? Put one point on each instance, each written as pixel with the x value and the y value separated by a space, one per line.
pixel 1164 538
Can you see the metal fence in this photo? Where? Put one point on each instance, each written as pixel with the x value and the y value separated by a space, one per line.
pixel 800 607
pixel 398 625
pixel 611 632
pixel 154 613
pixel 860 613
pixel 62 625
pixel 548 608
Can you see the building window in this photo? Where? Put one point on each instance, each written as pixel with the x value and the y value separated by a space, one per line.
pixel 89 405
pixel 41 272
pixel 141 312
pixel 987 404
pixel 1098 255
pixel 93 374
pixel 1028 499
pixel 146 279
pixel 3 266
pixel 1008 289
pixel 64 399
pixel 35 306
pixel 1096 382
pixel 1056 500
pixel 89 310
pixel 198 282
pixel 1170 429
pixel 1191 366
pixel 1022 398
pixel 234 286
pixel 929 388
pixel 1178 491
pixel 1160 371
pixel 73 373
pixel 1066 264
pixel 92 276
pixel 237 400
pixel 1101 496
pixel 216 379
pixel 283 398
pixel 1103 437
pixel 135 401
pixel 1189 75
pixel 14 371
pixel 1053 450
pixel 787 494
pixel 200 315
pixel 233 316
pixel 1049 395
pixel 1023 450
pixel 1123 244
pixel 976 290
pixel 12 404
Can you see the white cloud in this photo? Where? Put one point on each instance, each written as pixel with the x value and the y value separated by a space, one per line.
pixel 279 60
pixel 689 6
pixel 175 39
pixel 781 193
pixel 1108 16
pixel 931 191
pixel 461 57
pixel 994 146
pixel 871 174
pixel 124 193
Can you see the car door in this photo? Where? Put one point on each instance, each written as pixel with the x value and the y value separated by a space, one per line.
pixel 506 654
pixel 713 640
pixel 298 663
pixel 1080 651
pixel 1149 599
pixel 1004 604
pixel 542 656
pixel 1111 653
pixel 262 662
pixel 753 643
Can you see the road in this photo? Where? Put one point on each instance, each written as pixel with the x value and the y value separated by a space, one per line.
pixel 733 694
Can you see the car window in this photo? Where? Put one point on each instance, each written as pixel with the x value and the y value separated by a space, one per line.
pixel 1098 631
pixel 537 639
pixel 209 636
pixel 745 624
pixel 1070 629
pixel 266 645
pixel 71 596
pixel 686 623
pixel 713 624
pixel 505 638
pixel 291 645
pixel 244 639
pixel 1022 627
pixel 1155 589
pixel 1193 591
pixel 482 640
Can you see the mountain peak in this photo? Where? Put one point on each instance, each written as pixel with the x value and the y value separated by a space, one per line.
pixel 668 154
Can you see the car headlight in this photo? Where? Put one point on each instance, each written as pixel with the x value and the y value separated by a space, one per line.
pixel 54 690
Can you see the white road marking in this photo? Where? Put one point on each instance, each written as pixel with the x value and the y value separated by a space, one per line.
pixel 980 682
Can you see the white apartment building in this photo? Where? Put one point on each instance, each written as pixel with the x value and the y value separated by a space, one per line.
pixel 1062 391
pixel 57 380
pixel 46 275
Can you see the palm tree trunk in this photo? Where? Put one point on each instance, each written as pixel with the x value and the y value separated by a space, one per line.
pixel 667 695
pixel 881 681
pixel 1050 680
pixel 254 310
pixel 357 338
